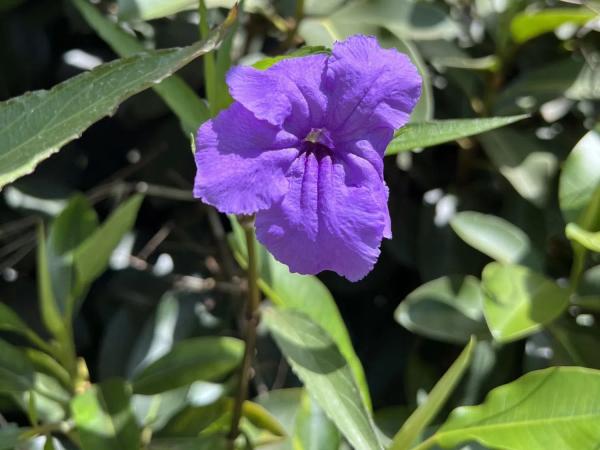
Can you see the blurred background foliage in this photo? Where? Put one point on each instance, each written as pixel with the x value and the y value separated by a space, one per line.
pixel 112 274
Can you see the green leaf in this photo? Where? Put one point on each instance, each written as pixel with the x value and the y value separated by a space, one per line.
pixel 10 436
pixel 16 372
pixel 528 25
pixel 519 301
pixel 523 161
pixel 51 314
pixel 589 240
pixel 426 134
pixel 494 236
pixel 104 418
pixel 313 430
pixel 265 63
pixel 534 87
pixel 302 293
pixel 580 177
pixel 92 256
pixel 175 92
pixel 189 443
pixel 317 361
pixel 76 222
pixel 152 9
pixel 448 309
pixel 426 412
pixel 28 136
pixel 10 321
pixel 205 358
pixel 545 409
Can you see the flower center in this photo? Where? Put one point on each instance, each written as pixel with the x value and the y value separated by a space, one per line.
pixel 318 141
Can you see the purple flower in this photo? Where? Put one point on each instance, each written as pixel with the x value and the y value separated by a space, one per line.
pixel 302 147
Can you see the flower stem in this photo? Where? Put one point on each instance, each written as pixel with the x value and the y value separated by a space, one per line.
pixel 251 317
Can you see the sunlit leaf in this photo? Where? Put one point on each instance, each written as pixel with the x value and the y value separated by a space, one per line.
pixel 426 134
pixel 37 124
pixel 175 92
pixel 589 240
pixel 519 301
pixel 551 408
pixel 104 418
pixel 528 25
pixel 449 309
pixel 205 358
pixel 317 361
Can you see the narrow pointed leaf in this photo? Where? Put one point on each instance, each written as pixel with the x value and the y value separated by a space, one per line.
pixel 316 360
pixel 436 399
pixel 175 92
pixel 426 134
pixel 37 124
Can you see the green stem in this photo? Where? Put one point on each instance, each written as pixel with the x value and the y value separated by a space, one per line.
pixel 426 444
pixel 208 60
pixel 251 319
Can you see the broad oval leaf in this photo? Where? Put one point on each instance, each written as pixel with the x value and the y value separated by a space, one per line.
pixel 104 418
pixel 426 412
pixel 546 409
pixel 426 134
pixel 205 358
pixel 449 309
pixel 492 235
pixel 580 177
pixel 28 136
pixel 316 360
pixel 524 161
pixel 519 301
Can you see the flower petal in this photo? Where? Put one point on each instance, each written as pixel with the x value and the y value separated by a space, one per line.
pixel 241 162
pixel 290 89
pixel 369 87
pixel 332 218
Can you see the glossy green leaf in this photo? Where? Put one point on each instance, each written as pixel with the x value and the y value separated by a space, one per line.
pixel 16 372
pixel 205 358
pixel 92 256
pixel 546 409
pixel 51 314
pixel 27 136
pixel 523 160
pixel 317 361
pixel 519 301
pixel 528 25
pixel 580 177
pixel 175 92
pixel 426 134
pixel 427 411
pixel 302 293
pixel 104 418
pixel 589 240
pixel 449 309
pixel 492 235
pixel 76 222
pixel 313 430
pixel 10 321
